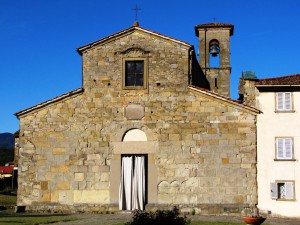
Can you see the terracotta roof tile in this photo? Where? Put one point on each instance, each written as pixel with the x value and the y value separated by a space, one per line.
pixel 6 169
pixel 283 80
pixel 214 25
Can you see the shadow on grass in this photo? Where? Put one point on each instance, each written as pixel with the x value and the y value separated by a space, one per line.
pixel 9 193
pixel 32 219
pixel 5 214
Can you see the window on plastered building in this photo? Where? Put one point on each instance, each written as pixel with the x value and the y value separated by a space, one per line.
pixel 284 102
pixel 284 148
pixel 283 190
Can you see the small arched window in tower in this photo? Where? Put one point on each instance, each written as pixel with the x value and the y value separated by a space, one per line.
pixel 214 51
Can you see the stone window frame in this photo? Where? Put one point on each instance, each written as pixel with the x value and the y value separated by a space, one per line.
pixel 284 157
pixel 121 147
pixel 115 169
pixel 289 190
pixel 135 54
pixel 283 107
pixel 145 75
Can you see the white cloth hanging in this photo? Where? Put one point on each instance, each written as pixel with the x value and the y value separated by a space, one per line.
pixel 126 183
pixel 132 186
pixel 138 187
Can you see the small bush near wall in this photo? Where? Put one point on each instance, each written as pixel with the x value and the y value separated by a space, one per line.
pixel 160 217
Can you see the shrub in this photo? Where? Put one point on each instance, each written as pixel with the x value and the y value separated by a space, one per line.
pixel 160 217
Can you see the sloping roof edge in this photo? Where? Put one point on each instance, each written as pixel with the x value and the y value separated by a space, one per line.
pixel 43 104
pixel 80 50
pixel 289 80
pixel 214 25
pixel 225 99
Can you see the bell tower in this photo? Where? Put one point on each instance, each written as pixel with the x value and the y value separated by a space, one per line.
pixel 214 52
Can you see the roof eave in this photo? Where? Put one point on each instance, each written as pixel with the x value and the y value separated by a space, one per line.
pixel 80 50
pixel 43 104
pixel 226 99
pixel 214 25
pixel 278 85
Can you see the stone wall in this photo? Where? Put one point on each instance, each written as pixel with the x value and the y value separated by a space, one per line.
pixel 217 75
pixel 201 148
pixel 248 91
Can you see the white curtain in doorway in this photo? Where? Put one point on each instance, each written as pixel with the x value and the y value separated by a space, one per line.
pixel 126 183
pixel 138 189
pixel 132 185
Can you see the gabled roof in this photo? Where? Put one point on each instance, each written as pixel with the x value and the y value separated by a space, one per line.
pixel 128 31
pixel 214 25
pixel 290 80
pixel 43 104
pixel 225 99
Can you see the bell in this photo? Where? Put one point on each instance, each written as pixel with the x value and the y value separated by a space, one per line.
pixel 214 50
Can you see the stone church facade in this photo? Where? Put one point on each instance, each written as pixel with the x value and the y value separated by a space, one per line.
pixel 144 96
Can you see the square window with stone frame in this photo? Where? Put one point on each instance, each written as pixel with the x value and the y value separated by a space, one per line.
pixel 134 73
pixel 284 102
pixel 284 148
pixel 283 190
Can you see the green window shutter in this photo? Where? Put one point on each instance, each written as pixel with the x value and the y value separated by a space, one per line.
pixel 274 191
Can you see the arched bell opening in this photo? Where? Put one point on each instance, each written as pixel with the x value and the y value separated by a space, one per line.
pixel 214 53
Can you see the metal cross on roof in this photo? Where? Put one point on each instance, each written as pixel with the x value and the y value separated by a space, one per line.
pixel 136 9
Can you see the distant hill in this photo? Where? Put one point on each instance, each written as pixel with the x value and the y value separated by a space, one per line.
pixel 7 141
pixel 6 148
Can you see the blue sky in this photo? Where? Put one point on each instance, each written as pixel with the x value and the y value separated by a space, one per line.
pixel 39 38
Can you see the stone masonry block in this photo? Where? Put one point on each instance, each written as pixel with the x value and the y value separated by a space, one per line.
pixel 63 185
pixel 60 169
pixel 174 137
pixel 225 160
pixel 59 151
pixel 91 196
pixel 79 177
pixel 44 185
pixel 46 196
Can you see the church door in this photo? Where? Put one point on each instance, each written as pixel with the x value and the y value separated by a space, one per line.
pixel 132 192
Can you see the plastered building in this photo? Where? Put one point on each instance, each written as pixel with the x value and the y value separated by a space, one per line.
pixel 278 142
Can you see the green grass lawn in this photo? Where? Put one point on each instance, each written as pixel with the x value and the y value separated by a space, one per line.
pixel 8 199
pixel 33 220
